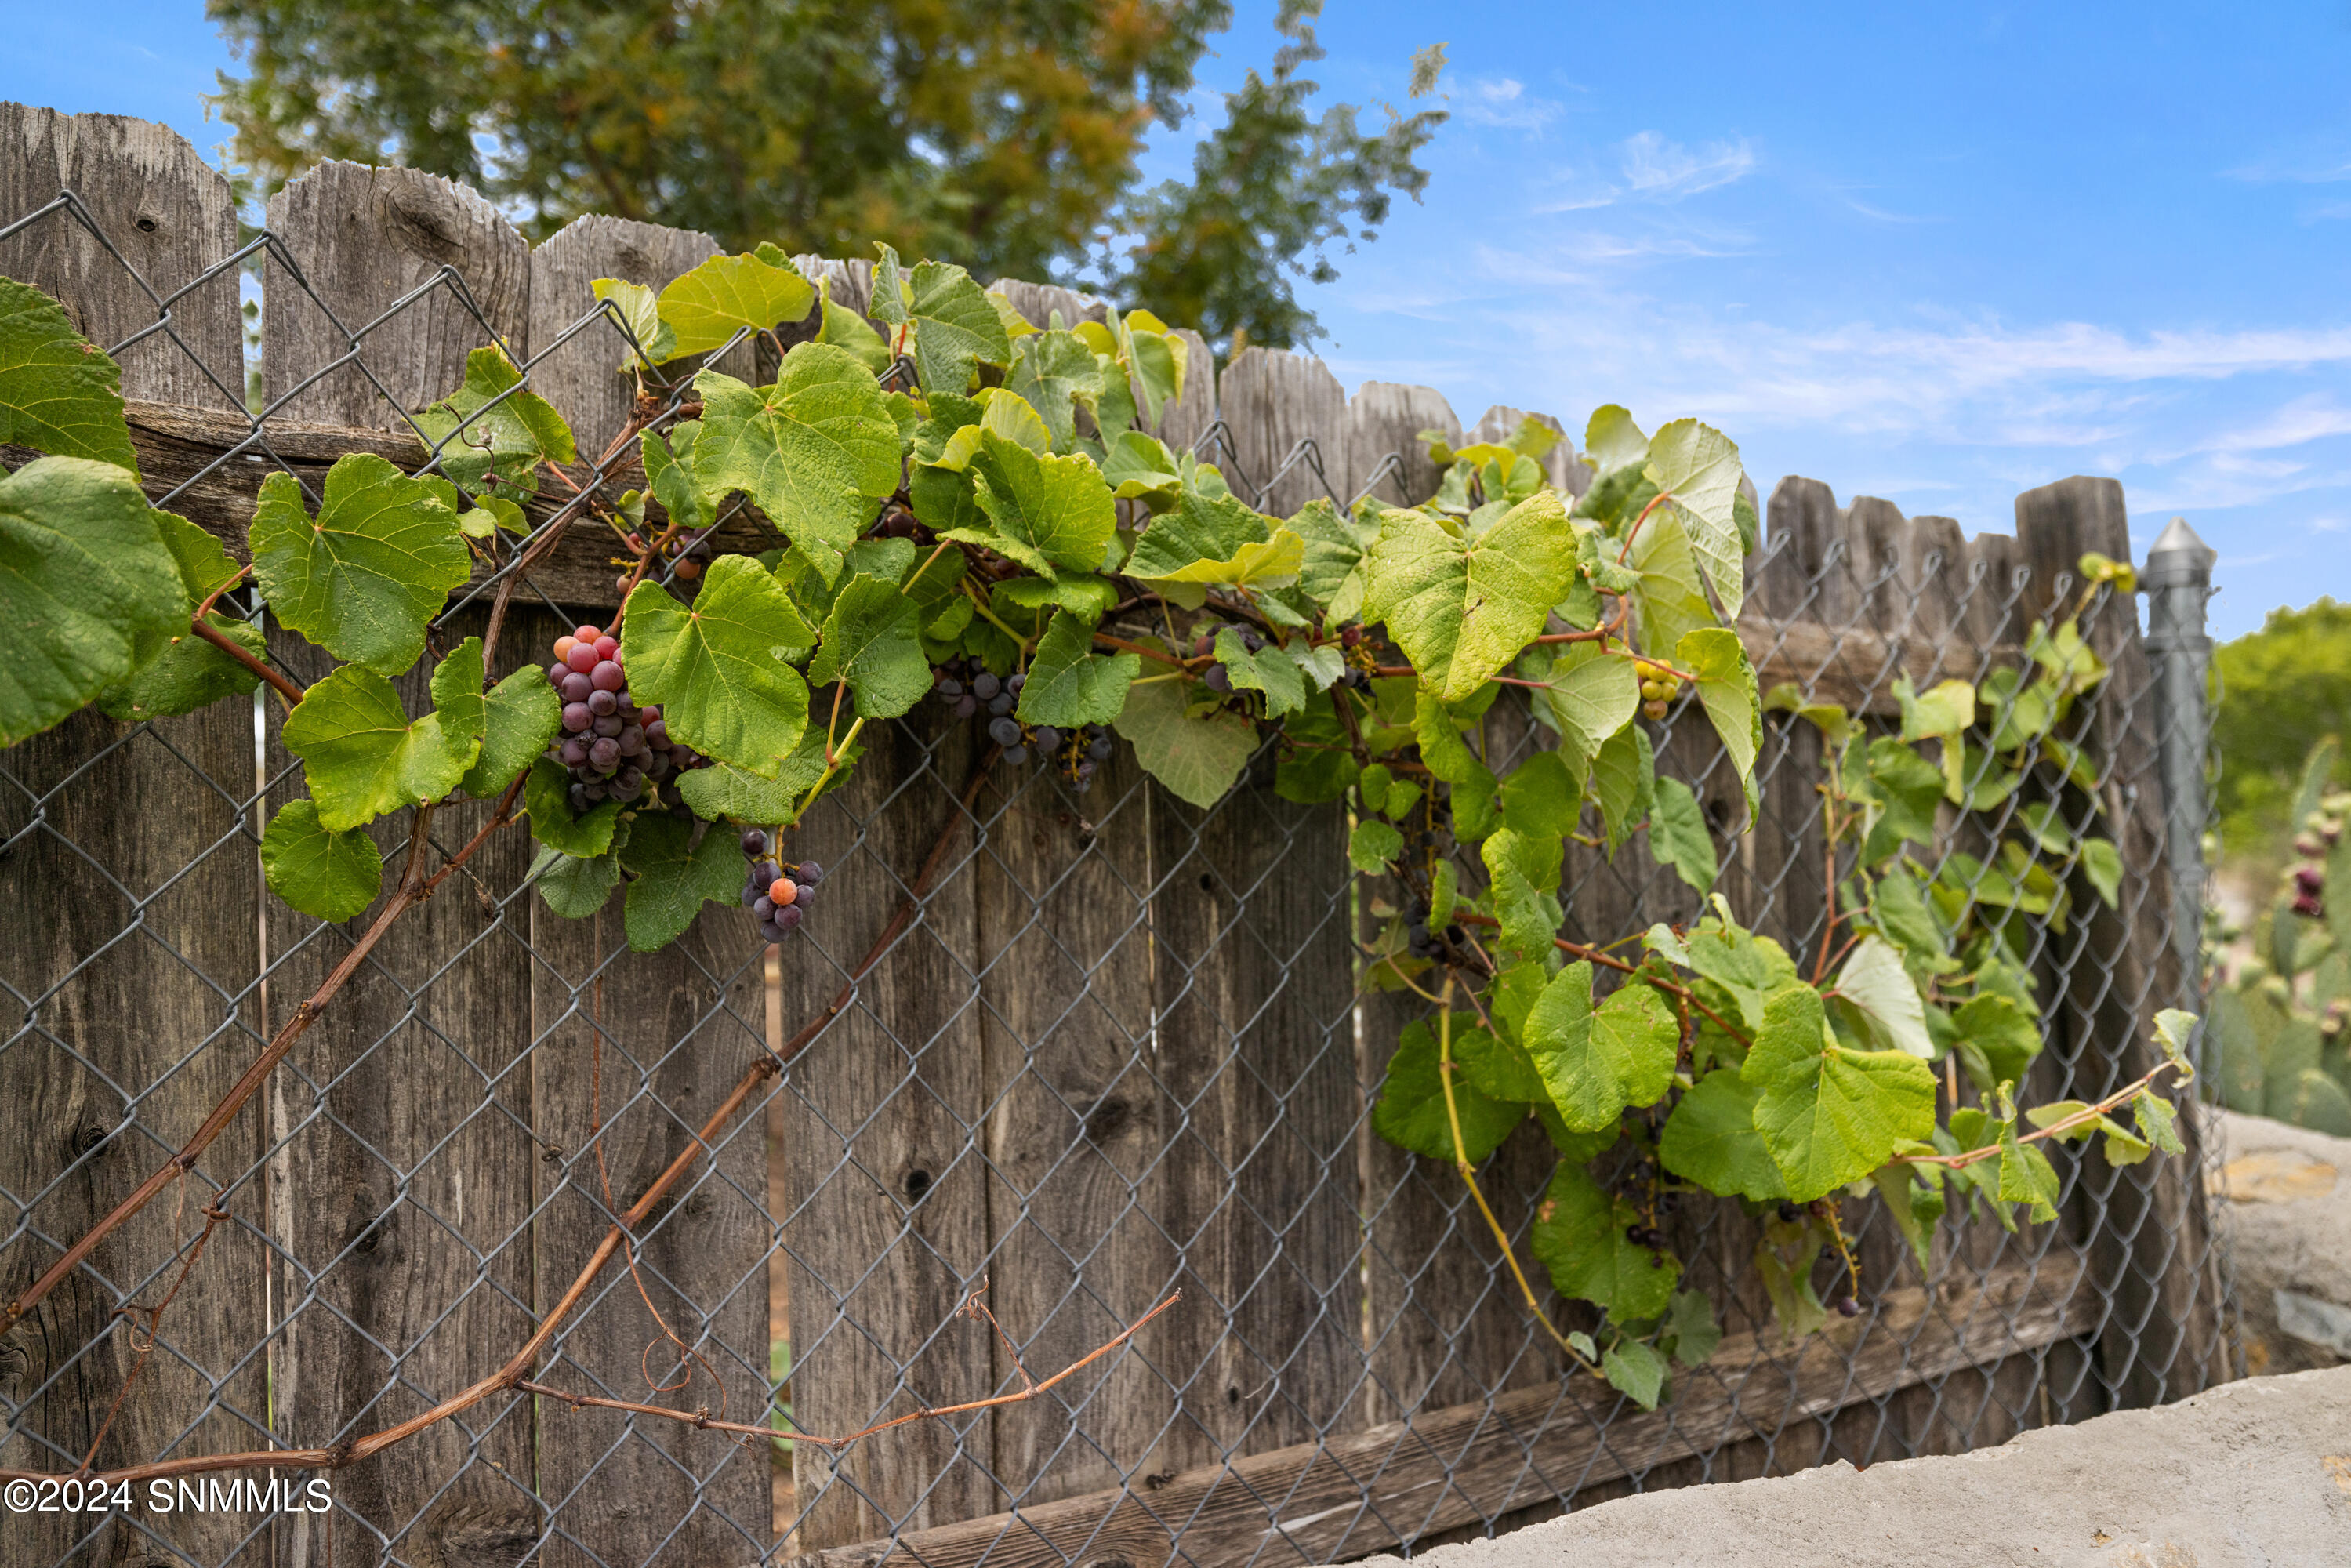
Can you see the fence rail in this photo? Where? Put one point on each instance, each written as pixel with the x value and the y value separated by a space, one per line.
pixel 1111 1047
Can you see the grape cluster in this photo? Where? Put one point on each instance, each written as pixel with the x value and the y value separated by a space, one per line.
pixel 776 893
pixel 1423 942
pixel 966 692
pixel 614 748
pixel 1659 687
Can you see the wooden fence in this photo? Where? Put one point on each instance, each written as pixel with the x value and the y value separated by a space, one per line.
pixel 1116 1052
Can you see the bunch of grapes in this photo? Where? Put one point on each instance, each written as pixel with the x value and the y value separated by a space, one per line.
pixel 1422 942
pixel 966 692
pixel 614 749
pixel 778 894
pixel 1658 687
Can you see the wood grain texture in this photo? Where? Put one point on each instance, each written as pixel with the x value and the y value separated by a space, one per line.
pixel 581 374
pixel 1401 1482
pixel 1384 419
pixel 167 215
pixel 887 1184
pixel 1185 418
pixel 402 1130
pixel 366 238
pixel 1271 401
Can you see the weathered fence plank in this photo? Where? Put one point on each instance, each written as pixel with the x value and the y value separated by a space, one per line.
pixel 586 375
pixel 129 948
pixel 1270 402
pixel 1382 438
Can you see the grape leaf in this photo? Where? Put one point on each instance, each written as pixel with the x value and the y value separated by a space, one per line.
pixel 362 580
pixel 1635 1371
pixel 1697 467
pixel 871 641
pixel 334 876
pixel 523 714
pixel 1056 372
pixel 2026 1175
pixel 87 586
pixel 1611 441
pixel 1069 684
pixel 1579 1236
pixel 1320 766
pixel 58 393
pixel 717 670
pixel 1411 1112
pixel 1588 696
pixel 1373 846
pixel 2155 1117
pixel 704 309
pixel 726 790
pixel 1874 981
pixel 1667 595
pixel 674 878
pixel 547 798
pixel 1690 1325
pixel 639 308
pixel 1330 560
pixel 2103 864
pixel 669 474
pixel 188 673
pixel 363 756
pixel 1830 1114
pixel 816 451
pixel 1139 467
pixel 1678 836
pixel 1541 798
pixel 1269 670
pixel 495 426
pixel 1523 869
pixel 576 886
pixel 1624 771
pixel 1726 685
pixel 1597 1062
pixel 1915 1209
pixel 1197 758
pixel 1048 513
pixel 1997 1040
pixel 1711 1139
pixel 1462 611
pixel 845 329
pixel 954 324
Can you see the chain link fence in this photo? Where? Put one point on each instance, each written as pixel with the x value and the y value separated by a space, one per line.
pixel 1064 1054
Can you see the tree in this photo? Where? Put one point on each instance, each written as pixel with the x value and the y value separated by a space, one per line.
pixel 1003 134
pixel 2281 687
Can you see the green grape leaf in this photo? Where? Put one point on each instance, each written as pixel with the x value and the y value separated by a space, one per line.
pixel 871 641
pixel 1461 611
pixel 1678 836
pixel 1624 774
pixel 1214 538
pixel 669 474
pixel 1579 1236
pixel 674 878
pixel 1697 467
pixel 1915 1209
pixel 1667 596
pixel 334 876
pixel 2156 1117
pixel 1900 905
pixel 188 673
pixel 717 669
pixel 1904 789
pixel 1069 684
pixel 1542 798
pixel 1941 714
pixel 1439 729
pixel 954 324
pixel 1589 697
pixel 1495 1066
pixel 726 790
pixel 1611 441
pixel 495 428
pixel 1998 1039
pixel 1880 989
pixel 1331 558
pixel 364 578
pixel 1411 1114
pixel 576 887
pixel 1787 1280
pixel 2026 1175
pixel 1726 685
pixel 1139 467
pixel 1269 670
pixel 1318 766
pixel 1596 1063
pixel 1373 846
pixel 1711 1139
pixel 1523 869
pixel 546 799
pixel 1635 1370
pixel 845 329
pixel 1056 372
pixel 2103 864
pixel 704 309
pixel 1690 1325
pixel 1048 513
pixel 363 756
pixel 58 393
pixel 1197 758
pixel 639 308
pixel 523 713
pixel 1829 1114
pixel 816 451
pixel 2173 1030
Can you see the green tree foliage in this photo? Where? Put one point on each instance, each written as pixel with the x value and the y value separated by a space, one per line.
pixel 2280 688
pixel 1004 136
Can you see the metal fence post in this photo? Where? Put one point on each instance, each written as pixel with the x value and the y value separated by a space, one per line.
pixel 2179 579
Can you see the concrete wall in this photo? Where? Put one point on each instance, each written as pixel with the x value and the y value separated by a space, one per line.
pixel 2251 1475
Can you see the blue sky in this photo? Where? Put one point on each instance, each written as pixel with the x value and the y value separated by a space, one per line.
pixel 1933 254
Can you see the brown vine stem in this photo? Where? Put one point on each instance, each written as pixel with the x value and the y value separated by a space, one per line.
pixel 704 1420
pixel 2084 1117
pixel 511 1374
pixel 1105 640
pixel 415 889
pixel 278 682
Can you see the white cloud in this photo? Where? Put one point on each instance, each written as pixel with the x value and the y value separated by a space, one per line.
pixel 1503 103
pixel 2304 420
pixel 1666 171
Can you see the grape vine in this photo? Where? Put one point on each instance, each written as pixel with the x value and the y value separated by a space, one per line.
pixel 966 510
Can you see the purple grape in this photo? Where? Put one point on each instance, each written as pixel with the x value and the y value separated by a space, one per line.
pixel 605 755
pixel 1000 704
pixel 1217 680
pixel 555 674
pixel 985 685
pixel 576 716
pixel 755 843
pixel 628 785
pixel 770 931
pixel 608 676
pixel 608 726
pixel 800 901
pixel 631 740
pixel 1016 754
pixel 656 734
pixel 575 687
pixel 573 752
pixel 765 907
pixel 650 713
pixel 1047 739
pixel 602 704
pixel 809 874
pixel 965 705
pixel 1016 683
pixel 949 687
pixel 752 895
pixel 594 793
pixel 788 917
pixel 1100 749
pixel 1005 732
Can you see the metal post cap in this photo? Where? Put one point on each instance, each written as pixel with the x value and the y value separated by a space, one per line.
pixel 2179 557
